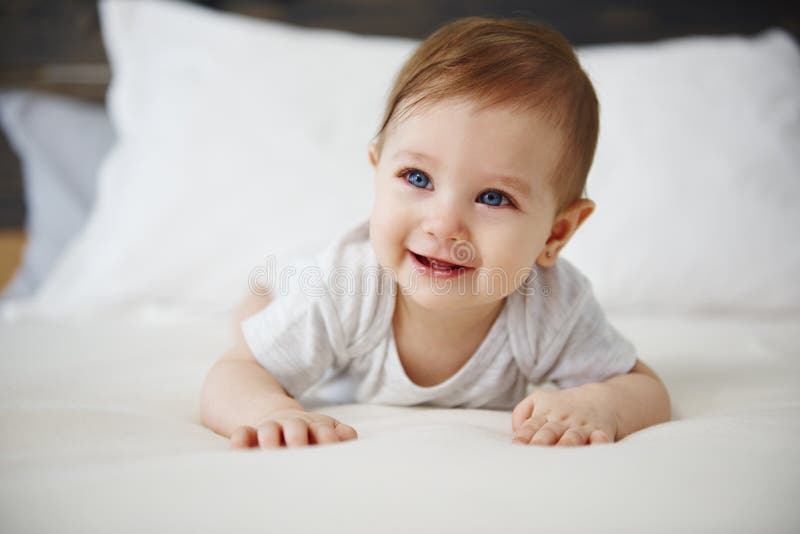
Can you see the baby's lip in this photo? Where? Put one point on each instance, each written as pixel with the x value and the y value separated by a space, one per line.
pixel 440 261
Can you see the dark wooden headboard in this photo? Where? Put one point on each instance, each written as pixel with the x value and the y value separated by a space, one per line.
pixel 57 47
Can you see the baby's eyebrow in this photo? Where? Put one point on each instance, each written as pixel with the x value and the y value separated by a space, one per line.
pixel 518 184
pixel 411 153
pixel 522 186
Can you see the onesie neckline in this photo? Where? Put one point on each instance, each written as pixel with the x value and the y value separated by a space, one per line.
pixel 478 358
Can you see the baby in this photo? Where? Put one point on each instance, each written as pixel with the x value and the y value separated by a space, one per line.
pixel 480 165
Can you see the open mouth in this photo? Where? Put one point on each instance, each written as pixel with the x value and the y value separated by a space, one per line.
pixel 439 266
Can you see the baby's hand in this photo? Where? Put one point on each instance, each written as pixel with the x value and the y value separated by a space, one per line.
pixel 574 416
pixel 291 428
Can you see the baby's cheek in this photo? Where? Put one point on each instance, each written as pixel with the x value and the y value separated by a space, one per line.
pixel 518 250
pixel 386 237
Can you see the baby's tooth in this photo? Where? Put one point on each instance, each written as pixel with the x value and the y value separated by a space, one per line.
pixel 442 265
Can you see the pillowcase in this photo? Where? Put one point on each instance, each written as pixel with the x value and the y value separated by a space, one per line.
pixel 243 140
pixel 60 142
pixel 696 176
pixel 240 142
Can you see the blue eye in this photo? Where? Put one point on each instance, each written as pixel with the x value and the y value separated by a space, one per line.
pixel 494 198
pixel 491 197
pixel 418 179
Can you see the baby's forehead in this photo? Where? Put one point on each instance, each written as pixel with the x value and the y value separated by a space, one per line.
pixel 507 112
pixel 498 132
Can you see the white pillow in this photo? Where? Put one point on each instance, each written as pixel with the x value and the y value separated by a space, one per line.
pixel 239 139
pixel 60 142
pixel 696 175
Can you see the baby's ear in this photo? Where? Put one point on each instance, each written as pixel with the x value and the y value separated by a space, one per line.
pixel 374 154
pixel 564 227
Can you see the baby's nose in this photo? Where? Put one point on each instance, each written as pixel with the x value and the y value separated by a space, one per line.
pixel 446 224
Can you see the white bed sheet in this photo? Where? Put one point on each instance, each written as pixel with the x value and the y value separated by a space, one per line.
pixel 101 433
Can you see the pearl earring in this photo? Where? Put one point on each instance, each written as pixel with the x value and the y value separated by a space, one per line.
pixel 548 253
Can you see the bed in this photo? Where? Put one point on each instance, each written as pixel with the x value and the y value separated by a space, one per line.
pixel 102 361
pixel 102 432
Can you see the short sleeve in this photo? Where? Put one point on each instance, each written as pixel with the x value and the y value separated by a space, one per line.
pixel 326 310
pixel 297 338
pixel 592 351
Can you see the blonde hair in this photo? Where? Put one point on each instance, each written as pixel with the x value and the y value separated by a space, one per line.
pixel 506 61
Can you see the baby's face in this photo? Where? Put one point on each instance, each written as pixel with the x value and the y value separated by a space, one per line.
pixel 467 187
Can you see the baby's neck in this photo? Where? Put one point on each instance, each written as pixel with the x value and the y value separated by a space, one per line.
pixel 433 346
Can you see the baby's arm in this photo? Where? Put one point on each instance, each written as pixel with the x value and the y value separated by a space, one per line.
pixel 242 401
pixel 599 412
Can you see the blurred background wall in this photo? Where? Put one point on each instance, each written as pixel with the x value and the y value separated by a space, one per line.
pixel 57 47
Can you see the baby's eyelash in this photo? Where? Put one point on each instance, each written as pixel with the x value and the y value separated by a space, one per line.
pixel 508 196
pixel 403 173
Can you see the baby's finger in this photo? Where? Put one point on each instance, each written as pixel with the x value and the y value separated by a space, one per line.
pixel 269 435
pixel 525 432
pixel 345 432
pixel 598 437
pixel 548 434
pixel 295 433
pixel 243 437
pixel 574 436
pixel 323 433
pixel 522 411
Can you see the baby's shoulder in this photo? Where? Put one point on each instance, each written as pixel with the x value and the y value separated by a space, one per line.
pixel 544 309
pixel 361 292
pixel 548 301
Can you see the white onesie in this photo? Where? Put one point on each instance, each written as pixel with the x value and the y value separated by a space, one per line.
pixel 328 336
